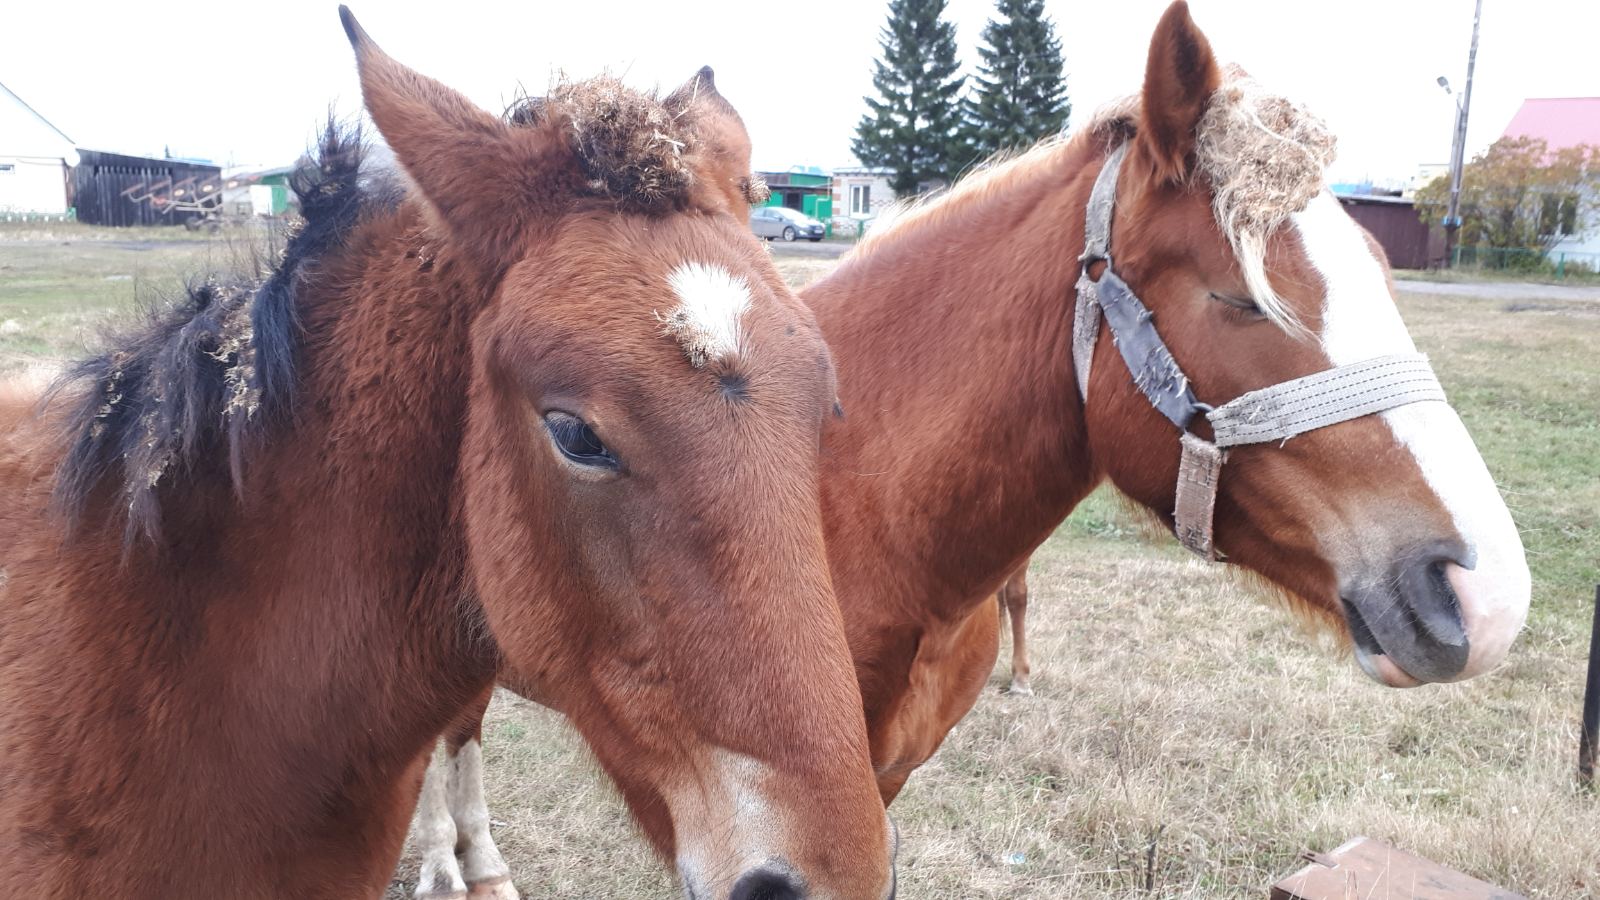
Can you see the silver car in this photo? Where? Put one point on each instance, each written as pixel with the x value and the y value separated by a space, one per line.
pixel 780 222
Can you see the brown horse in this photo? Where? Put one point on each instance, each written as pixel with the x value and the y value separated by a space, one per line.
pixel 546 412
pixel 968 438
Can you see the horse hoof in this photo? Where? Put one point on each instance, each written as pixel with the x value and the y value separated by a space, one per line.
pixel 495 889
pixel 441 895
pixel 1021 689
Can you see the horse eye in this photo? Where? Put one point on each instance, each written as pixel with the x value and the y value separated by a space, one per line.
pixel 578 442
pixel 1243 304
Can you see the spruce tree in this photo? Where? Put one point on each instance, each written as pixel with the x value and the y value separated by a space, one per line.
pixel 1019 94
pixel 914 124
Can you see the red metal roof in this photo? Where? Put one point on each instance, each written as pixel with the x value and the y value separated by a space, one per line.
pixel 1561 121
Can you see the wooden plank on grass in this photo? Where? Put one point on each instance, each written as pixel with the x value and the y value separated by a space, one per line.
pixel 1363 868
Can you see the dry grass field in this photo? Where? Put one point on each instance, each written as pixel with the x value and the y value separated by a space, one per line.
pixel 1187 740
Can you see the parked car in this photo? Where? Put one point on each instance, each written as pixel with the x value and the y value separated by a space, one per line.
pixel 779 222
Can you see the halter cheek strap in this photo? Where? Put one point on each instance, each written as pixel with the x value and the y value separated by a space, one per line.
pixel 1274 413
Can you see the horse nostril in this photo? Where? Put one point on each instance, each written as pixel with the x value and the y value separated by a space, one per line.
pixel 766 884
pixel 1437 608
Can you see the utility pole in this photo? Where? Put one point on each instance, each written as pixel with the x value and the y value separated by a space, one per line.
pixel 1458 148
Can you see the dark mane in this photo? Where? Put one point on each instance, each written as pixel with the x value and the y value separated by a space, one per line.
pixel 205 375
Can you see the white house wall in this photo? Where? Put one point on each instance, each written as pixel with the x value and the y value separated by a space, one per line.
pixel 32 185
pixel 881 197
pixel 38 156
pixel 1585 247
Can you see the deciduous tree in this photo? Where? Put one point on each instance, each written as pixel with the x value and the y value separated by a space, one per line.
pixel 1519 194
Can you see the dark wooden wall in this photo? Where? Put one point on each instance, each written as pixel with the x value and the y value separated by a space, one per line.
pixel 113 189
pixel 1398 229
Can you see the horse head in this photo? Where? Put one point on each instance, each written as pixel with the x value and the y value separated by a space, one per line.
pixel 639 471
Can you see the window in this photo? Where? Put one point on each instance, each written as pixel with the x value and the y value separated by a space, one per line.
pixel 1558 216
pixel 860 199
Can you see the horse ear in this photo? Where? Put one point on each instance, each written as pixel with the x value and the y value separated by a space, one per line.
pixel 482 179
pixel 724 144
pixel 1179 79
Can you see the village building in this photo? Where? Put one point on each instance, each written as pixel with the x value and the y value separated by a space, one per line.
pixel 1563 122
pixel 45 175
pixel 248 191
pixel 804 189
pixel 36 161
pixel 860 193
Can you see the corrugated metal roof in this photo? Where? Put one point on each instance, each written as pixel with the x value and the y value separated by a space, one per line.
pixel 1561 121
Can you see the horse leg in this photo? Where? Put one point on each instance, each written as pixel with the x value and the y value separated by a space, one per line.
pixel 952 664
pixel 440 877
pixel 485 870
pixel 1014 600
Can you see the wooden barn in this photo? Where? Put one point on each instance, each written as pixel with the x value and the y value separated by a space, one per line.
pixel 1395 225
pixel 116 189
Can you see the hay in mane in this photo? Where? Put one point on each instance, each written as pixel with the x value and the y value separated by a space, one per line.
pixel 633 148
pixel 206 373
pixel 1264 157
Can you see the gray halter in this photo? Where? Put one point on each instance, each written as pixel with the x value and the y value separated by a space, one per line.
pixel 1274 413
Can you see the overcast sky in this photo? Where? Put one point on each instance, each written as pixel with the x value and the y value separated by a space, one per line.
pixel 246 82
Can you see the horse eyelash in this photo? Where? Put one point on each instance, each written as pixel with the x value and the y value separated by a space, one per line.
pixel 1245 308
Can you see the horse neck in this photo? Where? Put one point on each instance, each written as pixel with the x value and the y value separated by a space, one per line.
pixel 372 459
pixel 316 625
pixel 963 444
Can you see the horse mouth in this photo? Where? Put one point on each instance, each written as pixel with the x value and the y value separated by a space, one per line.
pixel 1403 640
pixel 1369 654
pixel 1405 617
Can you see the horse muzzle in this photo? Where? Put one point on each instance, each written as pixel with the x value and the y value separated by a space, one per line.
pixel 1435 617
pixel 776 879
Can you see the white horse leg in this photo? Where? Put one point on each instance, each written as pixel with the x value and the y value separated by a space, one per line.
pixel 485 869
pixel 440 877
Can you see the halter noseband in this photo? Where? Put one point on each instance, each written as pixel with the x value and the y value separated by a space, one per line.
pixel 1274 413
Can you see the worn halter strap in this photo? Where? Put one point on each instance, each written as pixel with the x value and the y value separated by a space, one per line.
pixel 1274 413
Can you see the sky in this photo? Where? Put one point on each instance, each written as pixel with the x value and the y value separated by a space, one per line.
pixel 246 84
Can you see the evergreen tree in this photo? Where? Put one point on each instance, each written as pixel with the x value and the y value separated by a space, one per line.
pixel 1019 93
pixel 913 125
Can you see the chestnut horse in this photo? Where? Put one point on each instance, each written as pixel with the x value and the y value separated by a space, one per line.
pixel 546 412
pixel 969 436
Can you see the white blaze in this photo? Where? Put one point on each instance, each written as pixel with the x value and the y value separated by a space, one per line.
pixel 1360 321
pixel 728 827
pixel 711 303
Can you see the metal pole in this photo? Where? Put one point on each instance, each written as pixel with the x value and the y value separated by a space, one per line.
pixel 1591 704
pixel 1458 147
